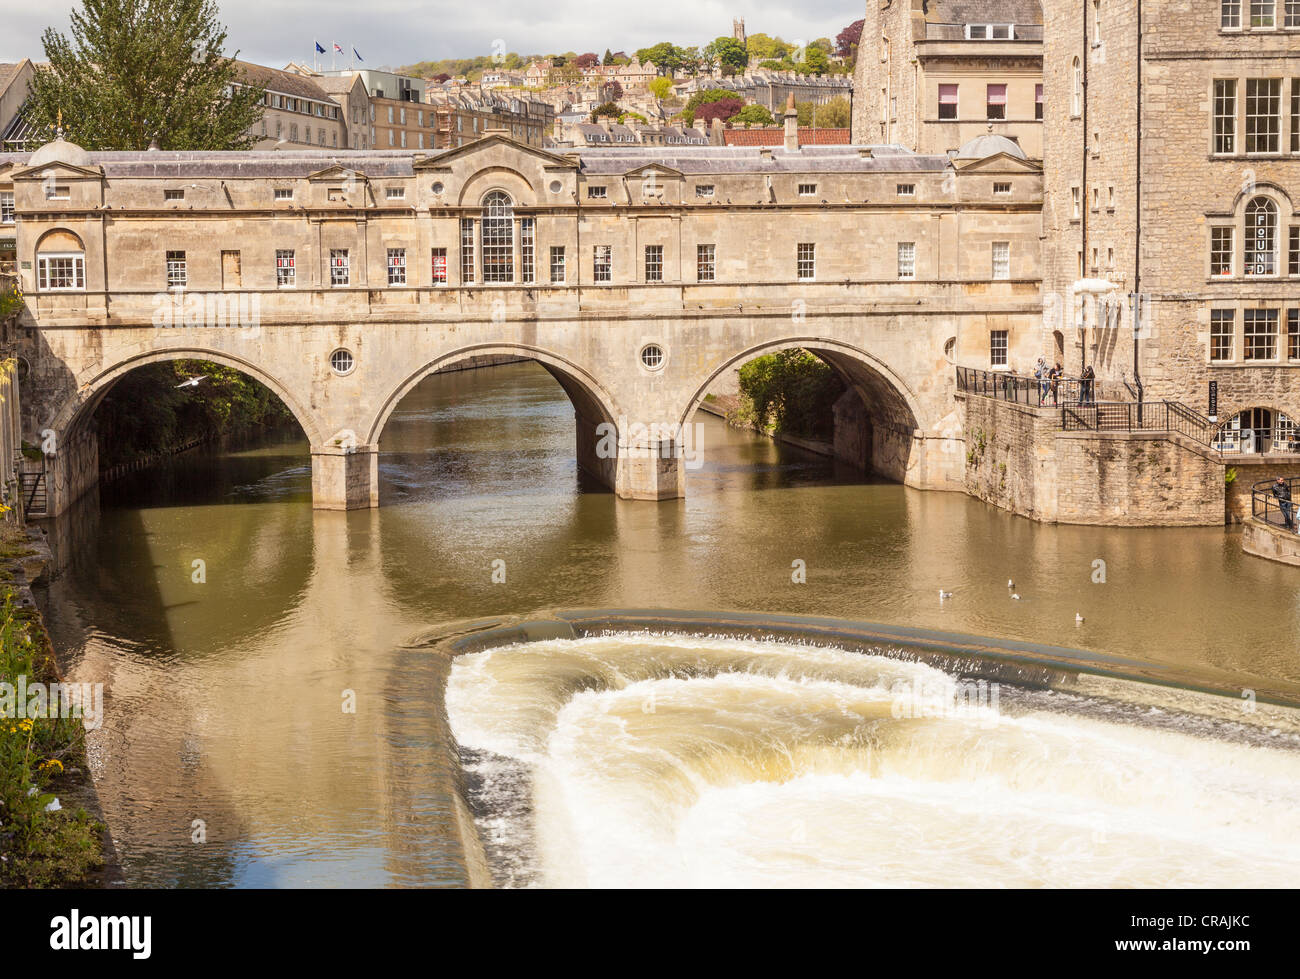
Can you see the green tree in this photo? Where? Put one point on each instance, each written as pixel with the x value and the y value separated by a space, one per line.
pixel 815 62
pixel 661 87
pixel 729 54
pixel 701 98
pixel 830 115
pixel 606 109
pixel 791 391
pixel 764 48
pixel 753 115
pixel 136 71
pixel 667 57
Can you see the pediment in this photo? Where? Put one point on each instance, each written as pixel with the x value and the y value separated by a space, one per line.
pixel 59 169
pixel 337 172
pixel 998 163
pixel 658 169
pixel 485 143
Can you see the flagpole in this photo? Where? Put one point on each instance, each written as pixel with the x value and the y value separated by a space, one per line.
pixel 315 64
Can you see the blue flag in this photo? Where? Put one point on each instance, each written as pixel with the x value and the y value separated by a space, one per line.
pixel 359 58
pixel 319 49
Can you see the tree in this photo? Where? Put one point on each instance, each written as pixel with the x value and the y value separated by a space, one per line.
pixel 661 87
pixel 847 40
pixel 831 115
pixel 722 109
pixel 729 54
pixel 587 60
pixel 702 98
pixel 815 61
pixel 764 48
pixel 753 115
pixel 136 71
pixel 667 57
pixel 606 109
pixel 609 57
pixel 690 60
pixel 613 90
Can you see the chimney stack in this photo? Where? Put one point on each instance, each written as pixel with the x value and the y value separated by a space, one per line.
pixel 791 125
pixel 715 133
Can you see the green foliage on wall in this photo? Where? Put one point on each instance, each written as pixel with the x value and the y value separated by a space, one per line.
pixel 792 392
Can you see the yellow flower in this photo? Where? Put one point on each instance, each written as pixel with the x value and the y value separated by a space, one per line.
pixel 52 764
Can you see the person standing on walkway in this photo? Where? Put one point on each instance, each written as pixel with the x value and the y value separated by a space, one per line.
pixel 1040 372
pixel 1085 393
pixel 1055 375
pixel 1283 493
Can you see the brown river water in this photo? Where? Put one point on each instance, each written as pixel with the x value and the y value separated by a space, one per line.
pixel 224 707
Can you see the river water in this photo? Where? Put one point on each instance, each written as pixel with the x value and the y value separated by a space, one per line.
pixel 267 726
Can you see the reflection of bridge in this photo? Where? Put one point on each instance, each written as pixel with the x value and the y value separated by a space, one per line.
pixel 341 280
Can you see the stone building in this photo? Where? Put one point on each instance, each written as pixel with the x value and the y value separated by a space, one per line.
pixel 772 89
pixel 399 118
pixel 349 91
pixel 1172 157
pixel 638 276
pixel 933 74
pixel 15 85
pixel 297 111
pixel 463 116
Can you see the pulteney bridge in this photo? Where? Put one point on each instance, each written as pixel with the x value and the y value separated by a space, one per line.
pixel 636 277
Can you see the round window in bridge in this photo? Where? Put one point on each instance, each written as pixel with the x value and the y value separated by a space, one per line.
pixel 437 187
pixel 652 356
pixel 342 362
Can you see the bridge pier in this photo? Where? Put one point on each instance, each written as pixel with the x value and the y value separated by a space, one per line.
pixel 344 477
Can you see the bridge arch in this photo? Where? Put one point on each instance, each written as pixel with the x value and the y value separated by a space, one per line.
pixel 893 409
pixel 593 405
pixel 94 385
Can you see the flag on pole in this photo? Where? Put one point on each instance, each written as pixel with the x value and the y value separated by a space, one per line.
pixel 337 48
pixel 319 49
pixel 357 55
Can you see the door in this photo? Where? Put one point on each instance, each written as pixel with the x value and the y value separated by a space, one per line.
pixel 231 278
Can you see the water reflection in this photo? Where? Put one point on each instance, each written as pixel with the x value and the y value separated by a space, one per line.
pixel 226 696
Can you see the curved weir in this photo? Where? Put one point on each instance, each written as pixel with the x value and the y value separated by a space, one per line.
pixel 668 759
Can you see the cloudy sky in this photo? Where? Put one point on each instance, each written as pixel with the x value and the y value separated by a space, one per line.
pixel 389 32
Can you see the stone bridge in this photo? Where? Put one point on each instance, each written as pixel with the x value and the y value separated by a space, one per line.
pixel 341 280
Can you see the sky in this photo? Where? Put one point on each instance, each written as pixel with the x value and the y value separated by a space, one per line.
pixel 393 33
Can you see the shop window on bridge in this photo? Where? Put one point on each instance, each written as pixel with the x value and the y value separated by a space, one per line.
pixel 7 214
pixel 498 238
pixel 440 266
pixel 1222 326
pixel 340 267
pixel 61 272
pixel 1257 431
pixel 998 348
pixel 947 101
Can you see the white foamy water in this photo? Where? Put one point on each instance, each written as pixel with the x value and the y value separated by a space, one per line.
pixel 688 762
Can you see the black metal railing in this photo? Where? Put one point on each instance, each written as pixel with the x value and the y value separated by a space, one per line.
pixel 1137 416
pixel 1267 506
pixel 1036 392
pixel 33 494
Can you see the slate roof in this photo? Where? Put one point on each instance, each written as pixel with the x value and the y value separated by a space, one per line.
pixel 283 82
pixel 596 161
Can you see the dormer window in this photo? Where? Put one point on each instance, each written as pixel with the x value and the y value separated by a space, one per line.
pixel 990 32
pixel 395 193
pixel 173 194
pixel 284 193
pixel 596 193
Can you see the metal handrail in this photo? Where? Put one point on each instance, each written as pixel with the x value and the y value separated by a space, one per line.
pixel 1266 507
pixel 1025 389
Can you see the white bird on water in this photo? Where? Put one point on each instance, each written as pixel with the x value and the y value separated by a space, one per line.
pixel 1011 584
pixel 944 594
pixel 1078 618
pixel 193 382
pixel 1015 596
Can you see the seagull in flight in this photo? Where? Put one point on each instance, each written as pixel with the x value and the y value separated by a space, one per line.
pixel 193 382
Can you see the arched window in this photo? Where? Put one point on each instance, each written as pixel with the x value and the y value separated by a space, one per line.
pixel 498 237
pixel 1076 99
pixel 1261 237
pixel 1257 430
pixel 60 263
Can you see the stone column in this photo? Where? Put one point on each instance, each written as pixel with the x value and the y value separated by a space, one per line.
pixel 344 478
pixel 653 469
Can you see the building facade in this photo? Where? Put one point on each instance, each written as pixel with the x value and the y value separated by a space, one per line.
pixel 933 74
pixel 1172 163
pixel 296 111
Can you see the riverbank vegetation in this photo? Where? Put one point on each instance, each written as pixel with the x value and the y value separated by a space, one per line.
pixel 788 393
pixel 43 843
pixel 147 414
